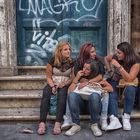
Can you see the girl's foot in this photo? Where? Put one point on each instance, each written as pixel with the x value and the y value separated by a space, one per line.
pixel 57 128
pixel 42 128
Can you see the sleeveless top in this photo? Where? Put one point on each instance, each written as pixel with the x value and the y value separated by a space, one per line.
pixel 116 74
pixel 62 72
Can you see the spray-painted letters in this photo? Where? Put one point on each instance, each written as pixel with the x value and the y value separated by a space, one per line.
pixel 57 13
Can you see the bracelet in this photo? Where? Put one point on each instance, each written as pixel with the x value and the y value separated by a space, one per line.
pixel 119 68
pixel 74 82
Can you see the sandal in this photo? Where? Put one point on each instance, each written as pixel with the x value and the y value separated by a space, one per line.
pixel 42 128
pixel 57 129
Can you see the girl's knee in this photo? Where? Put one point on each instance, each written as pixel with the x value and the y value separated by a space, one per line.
pixel 113 95
pixel 130 89
pixel 130 92
pixel 72 97
pixel 95 97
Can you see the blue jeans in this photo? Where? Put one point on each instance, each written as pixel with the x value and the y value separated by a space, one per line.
pixel 105 101
pixel 104 110
pixel 68 114
pixel 76 104
pixel 129 98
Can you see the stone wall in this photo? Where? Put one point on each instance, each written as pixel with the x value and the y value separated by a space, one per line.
pixel 118 23
pixel 135 24
pixel 8 55
pixel 3 34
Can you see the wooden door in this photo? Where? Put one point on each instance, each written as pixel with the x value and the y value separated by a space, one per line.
pixel 41 24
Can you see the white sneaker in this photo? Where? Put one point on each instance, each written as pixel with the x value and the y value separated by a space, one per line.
pixel 74 129
pixel 96 130
pixel 67 123
pixel 103 122
pixel 114 123
pixel 126 122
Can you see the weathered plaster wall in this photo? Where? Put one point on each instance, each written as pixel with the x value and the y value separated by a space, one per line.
pixel 3 28
pixel 118 23
pixel 8 54
pixel 135 26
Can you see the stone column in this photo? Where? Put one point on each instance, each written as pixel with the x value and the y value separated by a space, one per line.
pixel 119 12
pixel 8 55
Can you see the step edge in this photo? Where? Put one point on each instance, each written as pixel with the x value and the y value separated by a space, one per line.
pixel 19 97
pixel 50 117
pixel 22 78
pixel 31 67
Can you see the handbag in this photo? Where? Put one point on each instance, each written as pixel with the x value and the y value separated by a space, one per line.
pixel 123 83
pixel 59 79
pixel 53 105
pixel 86 91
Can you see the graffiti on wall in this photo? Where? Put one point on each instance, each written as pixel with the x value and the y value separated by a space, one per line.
pixel 40 7
pixel 43 43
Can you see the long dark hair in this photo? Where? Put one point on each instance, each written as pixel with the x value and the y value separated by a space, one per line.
pixel 84 54
pixel 94 68
pixel 130 56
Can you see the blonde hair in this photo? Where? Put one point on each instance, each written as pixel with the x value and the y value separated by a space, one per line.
pixel 58 54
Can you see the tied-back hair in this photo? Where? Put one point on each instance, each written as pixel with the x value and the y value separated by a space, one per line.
pixel 130 55
pixel 58 55
pixel 94 67
pixel 84 54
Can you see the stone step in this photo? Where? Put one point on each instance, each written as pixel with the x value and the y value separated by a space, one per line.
pixel 31 70
pixel 23 82
pixel 32 114
pixel 20 98
pixel 23 114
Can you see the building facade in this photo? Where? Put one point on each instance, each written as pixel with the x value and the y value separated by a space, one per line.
pixel 122 24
